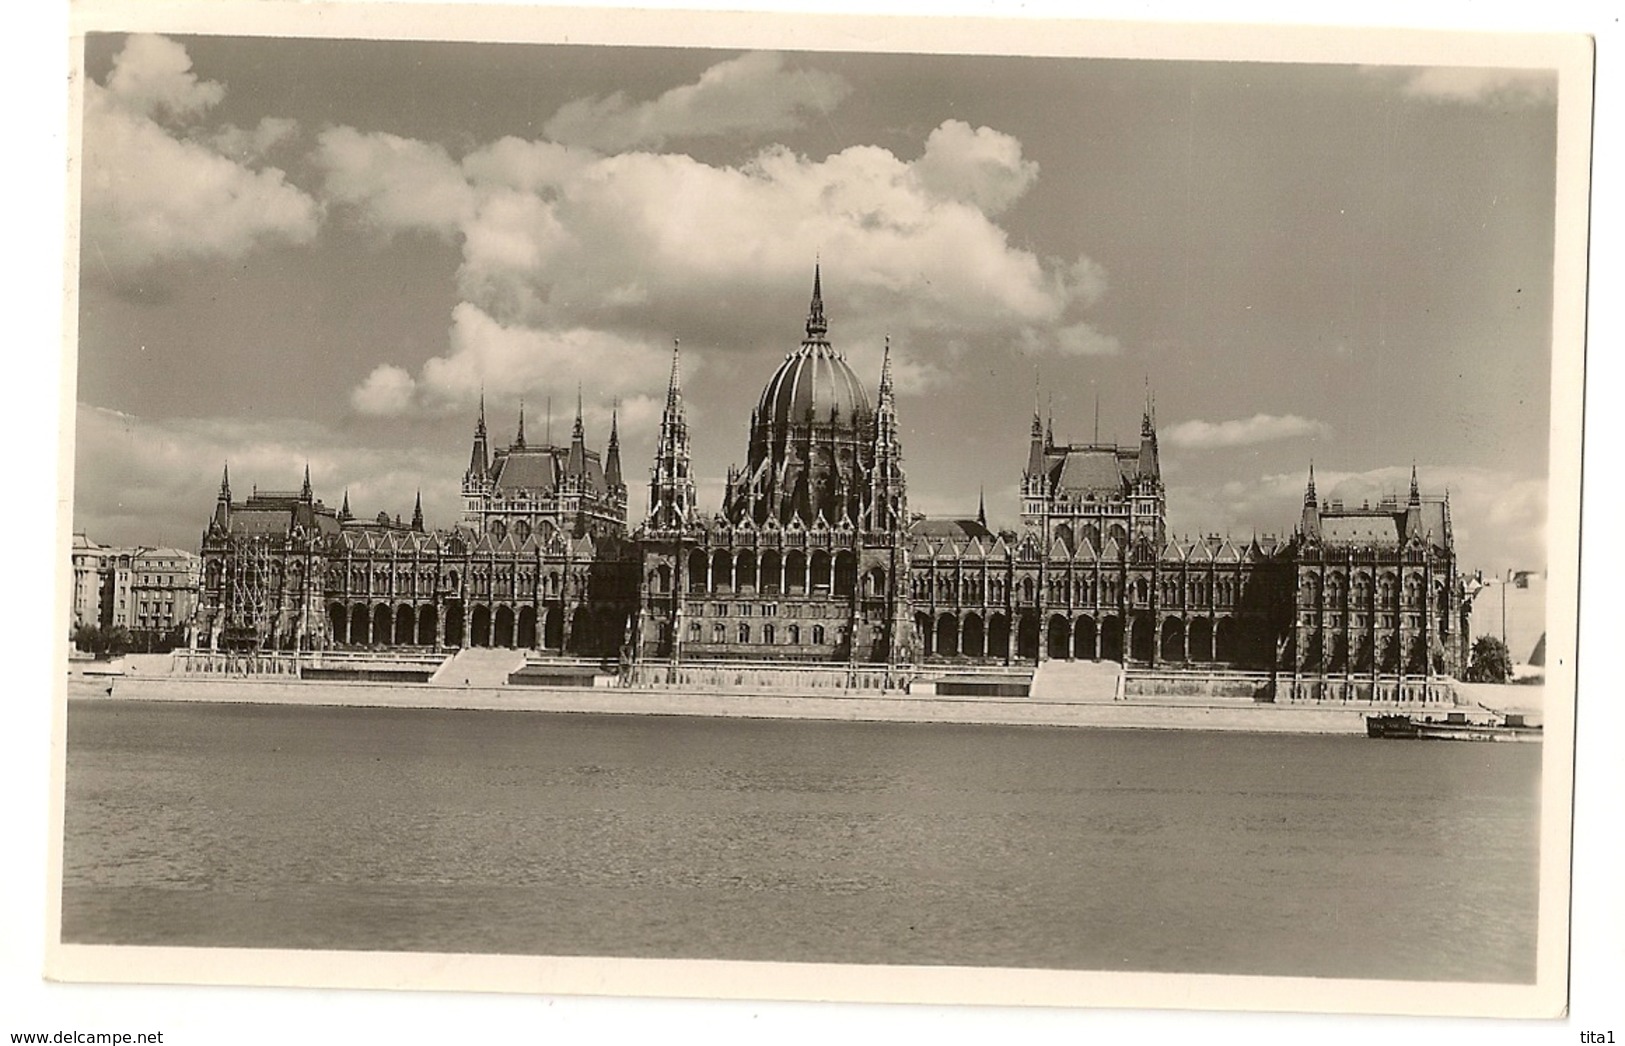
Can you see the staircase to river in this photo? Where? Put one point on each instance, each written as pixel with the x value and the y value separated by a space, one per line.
pixel 479 666
pixel 1088 681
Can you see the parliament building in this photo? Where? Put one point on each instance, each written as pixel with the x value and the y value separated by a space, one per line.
pixel 813 558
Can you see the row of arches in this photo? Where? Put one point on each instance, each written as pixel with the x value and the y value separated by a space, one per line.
pixel 1359 590
pixel 768 633
pixel 1076 589
pixel 1139 637
pixel 523 627
pixel 1413 655
pixel 771 573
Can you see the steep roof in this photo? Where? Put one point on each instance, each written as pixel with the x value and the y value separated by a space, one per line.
pixel 1090 469
pixel 957 529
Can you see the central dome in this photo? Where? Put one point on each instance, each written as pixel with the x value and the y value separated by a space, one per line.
pixel 813 385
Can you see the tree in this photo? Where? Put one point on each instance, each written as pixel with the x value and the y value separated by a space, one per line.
pixel 103 642
pixel 1491 662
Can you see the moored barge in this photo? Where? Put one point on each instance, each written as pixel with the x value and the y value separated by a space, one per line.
pixel 1455 727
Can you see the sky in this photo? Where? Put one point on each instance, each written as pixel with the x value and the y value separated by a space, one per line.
pixel 321 252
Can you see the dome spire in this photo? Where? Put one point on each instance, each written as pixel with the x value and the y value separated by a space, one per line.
pixel 885 371
pixel 817 326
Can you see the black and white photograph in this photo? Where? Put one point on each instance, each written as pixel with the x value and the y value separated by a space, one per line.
pixel 821 508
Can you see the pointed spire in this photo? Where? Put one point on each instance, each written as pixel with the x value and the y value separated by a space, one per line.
pixel 671 488
pixel 1416 491
pixel 981 506
pixel 1049 423
pixel 344 509
pixel 674 387
pixel 479 458
pixel 576 463
pixel 817 326
pixel 1309 498
pixel 612 455
pixel 304 489
pixel 885 371
pixel 417 513
pixel 520 441
pixel 222 502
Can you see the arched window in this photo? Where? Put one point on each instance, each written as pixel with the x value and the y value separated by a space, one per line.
pixel 818 635
pixel 694 632
pixel 795 635
pixel 767 633
pixel 744 633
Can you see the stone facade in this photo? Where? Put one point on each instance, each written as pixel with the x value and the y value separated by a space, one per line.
pixel 814 558
pixel 150 592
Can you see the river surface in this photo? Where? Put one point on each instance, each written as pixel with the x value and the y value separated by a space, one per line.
pixel 556 834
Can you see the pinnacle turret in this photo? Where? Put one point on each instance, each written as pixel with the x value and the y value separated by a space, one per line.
pixel 817 326
pixel 671 487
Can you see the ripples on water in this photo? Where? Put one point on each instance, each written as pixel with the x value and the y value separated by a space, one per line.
pixel 534 833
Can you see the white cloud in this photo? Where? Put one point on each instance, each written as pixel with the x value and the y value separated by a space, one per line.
pixel 981 167
pixel 153 75
pixel 656 241
pixel 152 195
pixel 753 93
pixel 387 391
pixel 523 362
pixel 1466 85
pixel 253 143
pixel 1260 428
pixel 398 183
pixel 567 251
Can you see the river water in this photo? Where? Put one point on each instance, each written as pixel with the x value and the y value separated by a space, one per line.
pixel 537 833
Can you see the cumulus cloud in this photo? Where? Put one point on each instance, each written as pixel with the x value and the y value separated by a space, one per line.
pixel 637 247
pixel 1241 432
pixel 571 254
pixel 1471 86
pixel 978 166
pixel 250 144
pixel 152 75
pixel 753 93
pixel 397 183
pixel 386 391
pixel 151 193
pixel 523 362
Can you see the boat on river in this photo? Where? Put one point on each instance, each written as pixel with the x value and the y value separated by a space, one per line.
pixel 1454 727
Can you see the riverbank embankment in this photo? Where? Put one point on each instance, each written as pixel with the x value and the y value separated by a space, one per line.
pixel 1143 713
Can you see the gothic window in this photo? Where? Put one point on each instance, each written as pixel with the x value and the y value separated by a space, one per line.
pixel 818 635
pixel 767 633
pixel 795 635
pixel 744 633
pixel 694 632
pixel 1026 590
pixel 719 633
